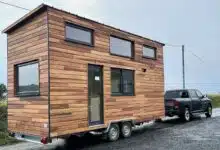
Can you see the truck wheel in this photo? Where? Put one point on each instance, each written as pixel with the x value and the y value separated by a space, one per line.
pixel 208 111
pixel 113 133
pixel 186 116
pixel 126 129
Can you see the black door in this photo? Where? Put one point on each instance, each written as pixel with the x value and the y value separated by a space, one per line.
pixel 196 102
pixel 95 94
pixel 203 100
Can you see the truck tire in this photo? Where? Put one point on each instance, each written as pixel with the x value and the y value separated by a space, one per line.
pixel 126 129
pixel 187 115
pixel 208 111
pixel 113 133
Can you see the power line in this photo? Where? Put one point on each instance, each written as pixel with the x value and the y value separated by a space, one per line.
pixel 172 45
pixel 167 44
pixel 14 5
pixel 196 55
pixel 193 83
pixel 176 45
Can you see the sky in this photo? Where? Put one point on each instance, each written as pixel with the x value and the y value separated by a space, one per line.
pixel 196 24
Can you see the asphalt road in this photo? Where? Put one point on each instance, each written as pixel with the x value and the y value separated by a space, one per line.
pixel 199 134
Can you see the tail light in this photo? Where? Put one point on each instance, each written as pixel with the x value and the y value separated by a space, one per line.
pixel 176 104
pixel 173 103
pixel 44 140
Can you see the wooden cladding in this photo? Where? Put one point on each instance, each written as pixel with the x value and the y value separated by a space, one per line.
pixel 63 75
pixel 27 45
pixel 69 77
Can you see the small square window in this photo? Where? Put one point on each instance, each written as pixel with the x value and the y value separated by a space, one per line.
pixel 79 34
pixel 27 79
pixel 149 52
pixel 122 82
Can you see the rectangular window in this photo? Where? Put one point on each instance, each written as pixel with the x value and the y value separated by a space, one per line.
pixel 149 52
pixel 79 34
pixel 176 94
pixel 193 94
pixel 122 82
pixel 27 79
pixel 121 47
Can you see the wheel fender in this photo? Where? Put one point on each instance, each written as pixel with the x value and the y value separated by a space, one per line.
pixel 119 122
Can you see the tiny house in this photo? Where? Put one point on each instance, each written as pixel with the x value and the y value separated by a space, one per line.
pixel 70 75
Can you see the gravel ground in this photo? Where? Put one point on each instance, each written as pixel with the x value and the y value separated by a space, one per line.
pixel 172 134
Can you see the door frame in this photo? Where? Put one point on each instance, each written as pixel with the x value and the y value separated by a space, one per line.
pixel 101 97
pixel 196 102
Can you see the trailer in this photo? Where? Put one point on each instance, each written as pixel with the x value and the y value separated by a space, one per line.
pixel 71 75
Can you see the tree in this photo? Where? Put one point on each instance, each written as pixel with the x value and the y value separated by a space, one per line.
pixel 3 90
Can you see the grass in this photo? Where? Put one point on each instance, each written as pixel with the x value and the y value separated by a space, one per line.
pixel 4 137
pixel 3 103
pixel 215 100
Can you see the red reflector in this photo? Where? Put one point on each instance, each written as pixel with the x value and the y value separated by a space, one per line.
pixel 43 140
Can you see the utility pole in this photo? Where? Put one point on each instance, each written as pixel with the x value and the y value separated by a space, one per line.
pixel 183 66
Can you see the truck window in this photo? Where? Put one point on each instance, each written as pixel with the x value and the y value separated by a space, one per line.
pixel 193 94
pixel 176 94
pixel 199 93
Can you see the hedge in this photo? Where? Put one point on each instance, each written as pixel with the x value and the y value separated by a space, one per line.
pixel 3 110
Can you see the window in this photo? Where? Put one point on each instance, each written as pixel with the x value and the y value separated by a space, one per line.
pixel 79 34
pixel 199 93
pixel 176 94
pixel 121 47
pixel 149 52
pixel 122 82
pixel 193 94
pixel 27 79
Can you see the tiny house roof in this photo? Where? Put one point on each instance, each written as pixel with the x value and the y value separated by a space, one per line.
pixel 43 7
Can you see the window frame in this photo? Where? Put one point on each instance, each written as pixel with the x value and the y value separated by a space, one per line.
pixel 195 94
pixel 197 91
pixel 16 77
pixel 124 39
pixel 80 28
pixel 122 93
pixel 148 57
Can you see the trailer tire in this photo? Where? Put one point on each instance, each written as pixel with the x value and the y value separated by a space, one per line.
pixel 113 132
pixel 126 129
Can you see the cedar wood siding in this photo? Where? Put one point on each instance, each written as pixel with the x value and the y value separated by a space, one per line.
pixel 69 71
pixel 27 43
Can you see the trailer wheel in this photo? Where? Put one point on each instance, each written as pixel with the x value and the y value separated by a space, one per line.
pixel 126 129
pixel 113 133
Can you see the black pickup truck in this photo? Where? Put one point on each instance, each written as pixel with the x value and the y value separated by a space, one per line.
pixel 187 102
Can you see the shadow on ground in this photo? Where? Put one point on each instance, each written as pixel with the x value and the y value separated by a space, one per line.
pixel 90 140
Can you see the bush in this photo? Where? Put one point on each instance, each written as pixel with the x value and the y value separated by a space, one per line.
pixel 4 137
pixel 215 100
pixel 3 110
pixel 3 90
